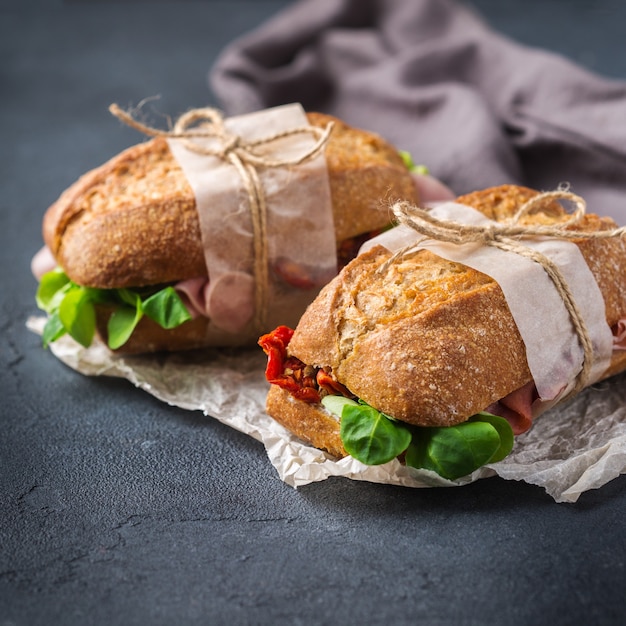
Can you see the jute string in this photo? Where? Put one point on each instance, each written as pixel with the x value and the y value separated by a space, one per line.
pixel 209 123
pixel 507 235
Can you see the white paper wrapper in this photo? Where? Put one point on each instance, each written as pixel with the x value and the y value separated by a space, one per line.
pixel 553 350
pixel 293 194
pixel 574 447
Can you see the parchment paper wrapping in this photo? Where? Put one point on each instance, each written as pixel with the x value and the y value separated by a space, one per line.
pixel 553 348
pixel 300 260
pixel 574 447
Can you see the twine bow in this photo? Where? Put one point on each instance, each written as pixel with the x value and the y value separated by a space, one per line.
pixel 208 123
pixel 506 235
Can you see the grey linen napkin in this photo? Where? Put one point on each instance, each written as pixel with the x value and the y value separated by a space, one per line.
pixel 430 76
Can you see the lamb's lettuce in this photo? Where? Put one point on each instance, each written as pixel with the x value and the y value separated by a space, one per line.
pixel 452 452
pixel 166 308
pixel 410 165
pixel 71 309
pixel 124 319
pixel 78 315
pixel 367 434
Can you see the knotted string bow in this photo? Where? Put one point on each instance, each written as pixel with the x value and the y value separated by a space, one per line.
pixel 507 235
pixel 208 123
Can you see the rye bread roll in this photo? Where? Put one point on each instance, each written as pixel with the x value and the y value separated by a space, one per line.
pixel 428 341
pixel 132 222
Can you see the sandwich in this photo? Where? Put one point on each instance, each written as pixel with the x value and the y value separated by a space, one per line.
pixel 419 358
pixel 126 247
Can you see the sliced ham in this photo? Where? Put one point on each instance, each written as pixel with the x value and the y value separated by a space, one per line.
pixel 230 301
pixel 517 408
pixel 193 294
pixel 619 335
pixel 520 405
pixel 227 301
pixel 431 189
pixel 42 263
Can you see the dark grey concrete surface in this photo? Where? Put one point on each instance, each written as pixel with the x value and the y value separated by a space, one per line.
pixel 117 509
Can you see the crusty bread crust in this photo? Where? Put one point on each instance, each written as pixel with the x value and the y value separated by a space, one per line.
pixel 310 422
pixel 133 222
pixel 430 341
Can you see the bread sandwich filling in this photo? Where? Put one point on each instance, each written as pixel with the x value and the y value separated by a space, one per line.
pixel 374 437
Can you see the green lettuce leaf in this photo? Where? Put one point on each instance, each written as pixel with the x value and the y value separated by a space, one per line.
pixel 78 315
pixel 53 329
pixel 71 310
pixel 124 320
pixel 370 436
pixel 454 451
pixel 166 308
pixel 507 439
pixel 410 165
pixel 51 290
pixel 335 404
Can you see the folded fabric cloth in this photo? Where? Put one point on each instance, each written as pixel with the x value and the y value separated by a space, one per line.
pixel 431 77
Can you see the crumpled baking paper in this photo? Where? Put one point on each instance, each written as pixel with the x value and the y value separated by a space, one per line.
pixel 577 446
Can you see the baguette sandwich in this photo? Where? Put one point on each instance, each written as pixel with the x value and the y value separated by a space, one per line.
pixel 126 235
pixel 420 358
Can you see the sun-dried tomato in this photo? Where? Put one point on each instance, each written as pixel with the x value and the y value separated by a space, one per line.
pixel 307 394
pixel 288 372
pixel 304 382
pixel 326 382
pixel 275 344
pixel 294 274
